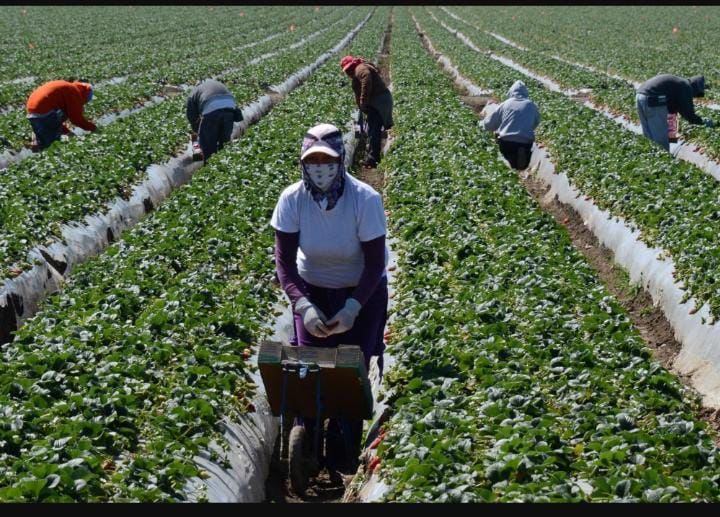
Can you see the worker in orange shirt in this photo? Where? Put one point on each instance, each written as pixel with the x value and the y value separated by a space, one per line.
pixel 54 102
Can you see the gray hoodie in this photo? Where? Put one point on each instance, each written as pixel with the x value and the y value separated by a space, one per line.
pixel 516 118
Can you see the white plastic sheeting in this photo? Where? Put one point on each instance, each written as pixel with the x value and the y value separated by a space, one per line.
pixel 113 80
pixel 8 109
pixel 303 41
pixel 21 80
pixel 264 40
pixel 9 157
pixel 502 38
pixel 682 150
pixel 251 437
pixel 516 45
pixel 375 488
pixel 469 86
pixel 699 357
pixel 88 237
pixel 589 68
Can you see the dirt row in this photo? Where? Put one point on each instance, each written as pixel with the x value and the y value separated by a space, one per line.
pixel 649 319
pixel 324 488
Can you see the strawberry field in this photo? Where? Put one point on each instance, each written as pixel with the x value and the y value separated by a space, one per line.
pixel 515 373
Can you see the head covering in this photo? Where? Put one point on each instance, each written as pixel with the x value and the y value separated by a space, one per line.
pixel 348 63
pixel 327 139
pixel 698 85
pixel 518 90
pixel 85 89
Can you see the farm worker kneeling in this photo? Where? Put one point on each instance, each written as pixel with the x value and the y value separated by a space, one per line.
pixel 374 100
pixel 211 110
pixel 54 102
pixel 664 94
pixel 515 121
pixel 331 261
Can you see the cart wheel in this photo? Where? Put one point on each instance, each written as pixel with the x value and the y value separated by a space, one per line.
pixel 296 460
pixel 285 440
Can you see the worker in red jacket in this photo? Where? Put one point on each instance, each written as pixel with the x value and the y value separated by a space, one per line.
pixel 54 102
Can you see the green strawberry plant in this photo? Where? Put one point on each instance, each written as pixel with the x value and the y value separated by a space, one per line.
pixel 519 377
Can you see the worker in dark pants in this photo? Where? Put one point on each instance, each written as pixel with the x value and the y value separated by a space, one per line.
pixel 373 98
pixel 212 110
pixel 331 261
pixel 515 121
pixel 54 102
pixel 664 94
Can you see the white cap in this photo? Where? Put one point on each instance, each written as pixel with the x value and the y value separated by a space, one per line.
pixel 320 146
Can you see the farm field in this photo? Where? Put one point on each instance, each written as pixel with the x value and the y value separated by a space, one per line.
pixel 516 368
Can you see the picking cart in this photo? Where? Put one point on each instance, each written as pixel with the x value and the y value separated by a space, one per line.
pixel 312 382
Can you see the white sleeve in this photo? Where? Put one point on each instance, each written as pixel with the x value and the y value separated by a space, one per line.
pixel 371 224
pixel 285 216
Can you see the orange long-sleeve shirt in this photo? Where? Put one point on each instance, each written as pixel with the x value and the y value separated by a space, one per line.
pixel 67 96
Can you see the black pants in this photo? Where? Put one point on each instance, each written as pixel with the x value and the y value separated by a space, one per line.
pixel 47 129
pixel 215 130
pixel 516 153
pixel 374 121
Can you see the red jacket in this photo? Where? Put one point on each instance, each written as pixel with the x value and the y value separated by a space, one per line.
pixel 69 97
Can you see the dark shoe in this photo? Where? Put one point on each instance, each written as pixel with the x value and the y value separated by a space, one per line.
pixel 370 164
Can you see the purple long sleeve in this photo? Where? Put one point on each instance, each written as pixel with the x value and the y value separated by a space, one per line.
pixel 286 246
pixel 374 253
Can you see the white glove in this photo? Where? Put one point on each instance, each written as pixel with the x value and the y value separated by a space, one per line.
pixel 345 318
pixel 313 318
pixel 708 122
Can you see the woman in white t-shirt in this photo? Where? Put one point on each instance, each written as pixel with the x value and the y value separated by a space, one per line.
pixel 330 258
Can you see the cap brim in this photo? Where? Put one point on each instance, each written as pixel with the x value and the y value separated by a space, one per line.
pixel 319 149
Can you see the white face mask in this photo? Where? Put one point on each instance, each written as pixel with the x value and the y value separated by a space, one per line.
pixel 322 175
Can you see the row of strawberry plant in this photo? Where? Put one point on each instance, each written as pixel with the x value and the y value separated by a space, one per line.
pixel 673 39
pixel 671 202
pixel 519 378
pixel 110 391
pixel 136 49
pixel 616 95
pixel 214 55
pixel 78 178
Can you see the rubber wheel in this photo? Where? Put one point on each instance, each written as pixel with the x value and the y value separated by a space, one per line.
pixel 296 460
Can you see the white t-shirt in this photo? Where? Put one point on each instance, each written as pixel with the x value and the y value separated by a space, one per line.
pixel 329 254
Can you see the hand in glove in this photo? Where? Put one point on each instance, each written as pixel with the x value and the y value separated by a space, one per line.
pixel 345 318
pixel 708 122
pixel 313 318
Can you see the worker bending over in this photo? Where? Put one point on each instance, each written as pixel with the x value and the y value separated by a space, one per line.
pixel 211 110
pixel 54 102
pixel 664 94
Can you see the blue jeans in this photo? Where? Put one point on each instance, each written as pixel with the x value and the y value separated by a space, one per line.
pixel 653 120
pixel 47 128
pixel 215 130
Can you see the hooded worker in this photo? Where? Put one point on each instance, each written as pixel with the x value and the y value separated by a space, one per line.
pixel 515 121
pixel 54 102
pixel 663 94
pixel 373 98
